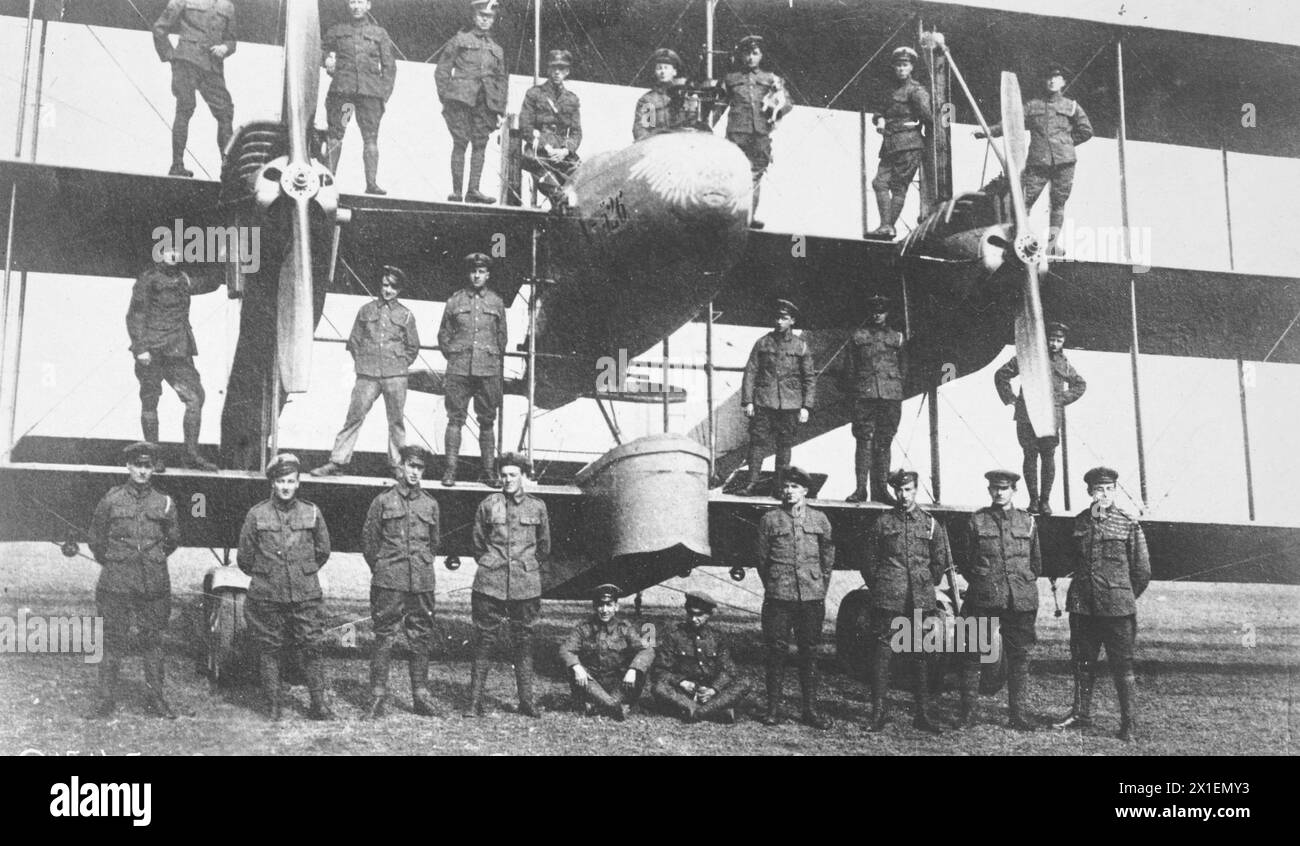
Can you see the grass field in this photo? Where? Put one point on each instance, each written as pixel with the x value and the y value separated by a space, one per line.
pixel 1203 688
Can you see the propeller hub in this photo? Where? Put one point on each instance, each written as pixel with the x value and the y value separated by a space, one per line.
pixel 299 181
pixel 1027 248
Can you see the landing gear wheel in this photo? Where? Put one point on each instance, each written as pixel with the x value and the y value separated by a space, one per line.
pixel 225 626
pixel 852 640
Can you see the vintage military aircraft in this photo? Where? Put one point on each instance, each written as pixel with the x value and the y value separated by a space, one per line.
pixel 653 235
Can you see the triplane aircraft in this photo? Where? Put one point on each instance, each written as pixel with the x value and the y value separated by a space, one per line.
pixel 651 236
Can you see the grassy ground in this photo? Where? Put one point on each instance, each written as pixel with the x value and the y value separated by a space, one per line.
pixel 1203 689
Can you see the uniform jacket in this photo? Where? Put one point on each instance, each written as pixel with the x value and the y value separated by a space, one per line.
pixel 472 335
pixel 1002 562
pixel 556 116
pixel 282 548
pixel 795 554
pixel 400 538
pixel 908 103
pixel 907 555
pixel 384 340
pixel 744 92
pixel 694 655
pixel 1056 124
pixel 365 63
pixel 1109 564
pixel 201 25
pixel 471 63
pixel 877 364
pixel 1067 385
pixel 158 318
pixel 655 113
pixel 510 538
pixel 610 647
pixel 779 373
pixel 131 534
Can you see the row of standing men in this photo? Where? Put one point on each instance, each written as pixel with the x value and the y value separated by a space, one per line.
pixel 284 541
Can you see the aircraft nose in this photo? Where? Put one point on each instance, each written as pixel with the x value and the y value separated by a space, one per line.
pixel 699 176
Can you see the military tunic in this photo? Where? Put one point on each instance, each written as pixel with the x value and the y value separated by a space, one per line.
pixel 555 115
pixel 795 558
pixel 472 337
pixel 472 81
pixel 747 126
pixel 511 536
pixel 132 532
pixel 1002 566
pixel 903 115
pixel 1110 569
pixel 655 113
pixel 282 546
pixel 779 374
pixel 1067 386
pixel 908 554
pixel 365 71
pixel 384 343
pixel 399 541
pixel 1056 124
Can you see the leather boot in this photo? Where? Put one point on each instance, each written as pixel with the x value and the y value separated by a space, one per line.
pixel 105 690
pixel 607 704
pixel 861 471
pixel 755 471
pixel 1030 469
pixel 921 719
pixel 1017 691
pixel 477 153
pixel 153 682
pixel 1049 479
pixel 421 700
pixel 1126 688
pixel 880 471
pixel 880 688
pixel 884 205
pixel 457 171
pixel 451 449
pixel 808 687
pixel 754 222
pixel 477 681
pixel 190 424
pixel 316 686
pixel 775 682
pixel 524 678
pixel 970 691
pixel 370 159
pixel 896 208
pixel 225 130
pixel 380 661
pixel 149 427
pixel 1080 715
pixel 487 444
pixel 180 136
pixel 268 667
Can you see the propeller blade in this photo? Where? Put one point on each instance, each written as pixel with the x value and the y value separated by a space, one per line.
pixel 301 74
pixel 295 325
pixel 1031 332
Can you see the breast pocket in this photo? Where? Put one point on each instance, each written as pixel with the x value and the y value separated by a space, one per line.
pixel 528 524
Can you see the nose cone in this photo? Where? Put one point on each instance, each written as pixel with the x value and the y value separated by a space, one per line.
pixel 697 176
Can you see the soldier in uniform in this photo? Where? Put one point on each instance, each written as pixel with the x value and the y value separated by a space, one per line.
pixel 776 393
pixel 607 656
pixel 1110 570
pixel 1056 124
pixel 756 100
pixel 694 676
pixel 133 531
pixel 282 545
pixel 384 343
pixel 908 555
pixel 1067 386
pixel 553 114
pixel 899 120
pixel 654 111
pixel 158 321
pixel 360 58
pixel 877 368
pixel 206 30
pixel 512 536
pixel 399 541
pixel 472 80
pixel 1002 565
pixel 472 337
pixel 795 560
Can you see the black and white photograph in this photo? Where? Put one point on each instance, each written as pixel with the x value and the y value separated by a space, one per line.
pixel 651 378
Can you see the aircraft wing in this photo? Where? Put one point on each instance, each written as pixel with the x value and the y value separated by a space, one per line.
pixel 93 222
